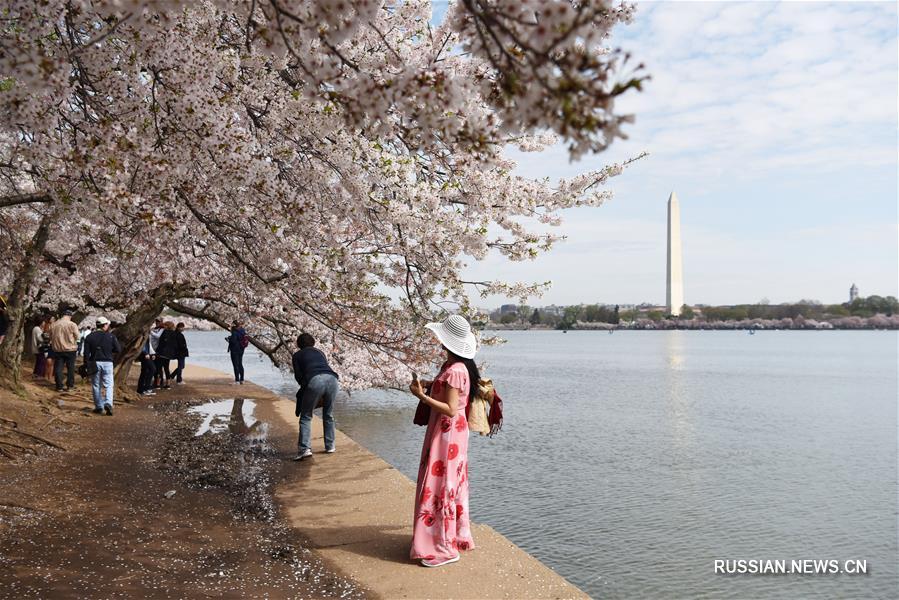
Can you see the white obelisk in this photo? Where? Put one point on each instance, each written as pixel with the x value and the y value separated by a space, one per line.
pixel 674 296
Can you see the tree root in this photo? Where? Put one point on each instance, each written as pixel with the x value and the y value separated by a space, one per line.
pixel 39 439
pixel 76 399
pixel 22 448
pixel 57 418
pixel 11 423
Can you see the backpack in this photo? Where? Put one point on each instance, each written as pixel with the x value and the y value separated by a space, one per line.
pixel 487 401
pixel 485 411
pixel 87 369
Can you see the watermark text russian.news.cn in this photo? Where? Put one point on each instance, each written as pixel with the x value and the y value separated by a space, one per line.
pixel 805 566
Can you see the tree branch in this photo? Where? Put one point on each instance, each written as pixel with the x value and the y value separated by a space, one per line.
pixel 16 199
pixel 270 351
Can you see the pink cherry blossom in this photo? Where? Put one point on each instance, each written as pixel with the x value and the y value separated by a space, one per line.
pixel 324 166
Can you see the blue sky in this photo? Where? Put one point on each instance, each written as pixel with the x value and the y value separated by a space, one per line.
pixel 776 124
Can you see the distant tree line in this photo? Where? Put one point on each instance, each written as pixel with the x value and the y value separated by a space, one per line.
pixel 596 314
pixel 808 309
pixel 567 319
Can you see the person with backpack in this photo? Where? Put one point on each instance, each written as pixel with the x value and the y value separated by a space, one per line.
pixel 318 383
pixel 100 348
pixel 237 343
pixel 441 526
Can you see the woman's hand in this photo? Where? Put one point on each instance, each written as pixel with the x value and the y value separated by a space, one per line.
pixel 416 389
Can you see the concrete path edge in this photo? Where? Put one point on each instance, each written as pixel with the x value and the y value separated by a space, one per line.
pixel 356 512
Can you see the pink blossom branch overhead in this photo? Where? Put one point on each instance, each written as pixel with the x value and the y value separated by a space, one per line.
pixel 302 165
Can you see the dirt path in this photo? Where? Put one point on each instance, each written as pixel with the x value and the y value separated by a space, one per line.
pixel 100 519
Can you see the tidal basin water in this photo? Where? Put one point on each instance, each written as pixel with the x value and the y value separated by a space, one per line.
pixel 630 462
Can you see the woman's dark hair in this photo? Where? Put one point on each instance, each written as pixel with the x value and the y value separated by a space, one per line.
pixel 473 374
pixel 305 340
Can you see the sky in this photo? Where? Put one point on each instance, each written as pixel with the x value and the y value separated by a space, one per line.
pixel 776 124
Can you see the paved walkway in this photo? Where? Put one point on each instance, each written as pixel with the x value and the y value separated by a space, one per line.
pixel 356 511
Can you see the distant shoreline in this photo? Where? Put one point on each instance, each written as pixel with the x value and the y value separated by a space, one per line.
pixel 690 327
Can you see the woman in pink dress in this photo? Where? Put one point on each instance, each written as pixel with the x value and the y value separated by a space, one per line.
pixel 441 527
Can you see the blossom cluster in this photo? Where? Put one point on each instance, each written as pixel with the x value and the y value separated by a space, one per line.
pixel 324 166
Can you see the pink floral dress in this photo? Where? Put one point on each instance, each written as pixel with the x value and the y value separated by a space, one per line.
pixel 441 527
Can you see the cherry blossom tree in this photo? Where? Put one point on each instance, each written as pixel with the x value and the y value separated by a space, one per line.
pixel 322 166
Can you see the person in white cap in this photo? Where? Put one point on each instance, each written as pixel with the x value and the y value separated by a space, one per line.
pixel 441 527
pixel 100 347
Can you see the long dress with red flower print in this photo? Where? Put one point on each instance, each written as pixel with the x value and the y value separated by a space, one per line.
pixel 441 526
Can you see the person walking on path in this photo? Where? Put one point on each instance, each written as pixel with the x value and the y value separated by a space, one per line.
pixel 83 336
pixel 64 342
pixel 100 347
pixel 318 382
pixel 180 352
pixel 39 348
pixel 441 527
pixel 165 352
pixel 237 343
pixel 147 370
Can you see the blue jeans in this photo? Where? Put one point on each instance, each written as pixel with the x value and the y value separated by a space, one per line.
pixel 103 377
pixel 321 387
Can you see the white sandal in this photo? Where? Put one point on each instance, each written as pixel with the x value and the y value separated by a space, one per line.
pixel 427 563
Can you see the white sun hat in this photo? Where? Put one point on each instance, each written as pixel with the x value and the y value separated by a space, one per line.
pixel 455 333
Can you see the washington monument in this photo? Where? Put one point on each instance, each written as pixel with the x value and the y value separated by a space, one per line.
pixel 674 296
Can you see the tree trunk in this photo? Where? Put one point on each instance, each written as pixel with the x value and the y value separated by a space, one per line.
pixel 133 332
pixel 13 344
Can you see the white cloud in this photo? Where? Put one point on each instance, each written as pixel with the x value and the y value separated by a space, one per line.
pixel 756 76
pixel 754 108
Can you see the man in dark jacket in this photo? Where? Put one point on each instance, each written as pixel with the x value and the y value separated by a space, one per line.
pixel 237 343
pixel 180 352
pixel 165 352
pixel 318 382
pixel 100 348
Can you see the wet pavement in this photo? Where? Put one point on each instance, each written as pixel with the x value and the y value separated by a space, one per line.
pixel 230 414
pixel 102 521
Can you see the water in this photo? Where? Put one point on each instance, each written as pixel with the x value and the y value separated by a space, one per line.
pixel 235 414
pixel 630 462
